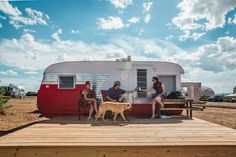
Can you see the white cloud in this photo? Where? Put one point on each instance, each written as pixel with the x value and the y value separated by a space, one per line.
pixel 8 73
pixel 140 32
pixel 215 59
pixel 188 35
pixel 75 31
pixel 220 82
pixel 37 16
pixel 7 8
pixel 134 20
pixel 31 72
pixel 34 17
pixel 1 25
pixel 18 20
pixel 25 30
pixel 141 48
pixel 169 37
pixel 232 20
pixel 147 18
pixel 202 15
pixel 150 48
pixel 28 54
pixel 121 4
pixel 113 22
pixel 56 36
pixel 147 6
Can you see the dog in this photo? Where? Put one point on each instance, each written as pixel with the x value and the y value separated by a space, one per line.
pixel 116 107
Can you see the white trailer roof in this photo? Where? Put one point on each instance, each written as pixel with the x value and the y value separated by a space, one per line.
pixel 108 66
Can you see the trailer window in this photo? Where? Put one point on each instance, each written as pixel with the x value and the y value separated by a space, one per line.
pixel 66 81
pixel 142 81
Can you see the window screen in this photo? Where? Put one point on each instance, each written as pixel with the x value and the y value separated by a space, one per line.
pixel 66 81
pixel 142 81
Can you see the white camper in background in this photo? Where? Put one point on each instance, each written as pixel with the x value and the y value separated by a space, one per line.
pixel 15 91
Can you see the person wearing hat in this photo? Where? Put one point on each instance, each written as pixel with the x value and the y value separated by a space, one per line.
pixel 88 99
pixel 158 97
pixel 116 94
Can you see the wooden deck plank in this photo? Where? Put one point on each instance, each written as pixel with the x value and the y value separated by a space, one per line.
pixel 196 151
pixel 66 136
pixel 69 131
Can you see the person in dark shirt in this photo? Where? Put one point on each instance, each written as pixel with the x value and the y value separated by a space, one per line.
pixel 158 97
pixel 116 94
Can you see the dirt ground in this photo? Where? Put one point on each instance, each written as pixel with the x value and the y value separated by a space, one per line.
pixel 21 112
pixel 24 111
pixel 223 116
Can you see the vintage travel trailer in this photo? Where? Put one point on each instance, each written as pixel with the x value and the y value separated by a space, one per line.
pixel 62 82
pixel 14 91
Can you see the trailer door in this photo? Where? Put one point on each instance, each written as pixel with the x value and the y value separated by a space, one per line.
pixel 169 82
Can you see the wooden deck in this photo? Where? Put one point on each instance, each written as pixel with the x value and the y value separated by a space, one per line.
pixel 68 137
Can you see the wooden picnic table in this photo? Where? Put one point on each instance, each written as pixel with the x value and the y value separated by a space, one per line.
pixel 143 108
pixel 186 102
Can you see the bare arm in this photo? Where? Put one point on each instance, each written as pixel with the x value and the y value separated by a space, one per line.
pixel 130 91
pixel 146 90
pixel 110 99
pixel 163 87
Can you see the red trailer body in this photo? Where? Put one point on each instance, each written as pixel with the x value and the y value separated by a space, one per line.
pixel 53 101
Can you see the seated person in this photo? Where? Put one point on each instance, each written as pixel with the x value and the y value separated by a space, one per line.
pixel 116 94
pixel 87 99
pixel 158 97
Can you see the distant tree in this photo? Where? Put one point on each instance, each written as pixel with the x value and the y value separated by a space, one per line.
pixel 234 89
pixel 3 101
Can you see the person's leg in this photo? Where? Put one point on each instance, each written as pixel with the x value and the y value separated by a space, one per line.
pixel 153 108
pixel 95 106
pixel 90 112
pixel 159 106
pixel 158 100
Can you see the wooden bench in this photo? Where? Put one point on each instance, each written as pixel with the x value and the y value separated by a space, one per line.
pixel 179 105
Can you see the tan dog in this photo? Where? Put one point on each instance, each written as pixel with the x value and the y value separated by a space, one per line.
pixel 116 107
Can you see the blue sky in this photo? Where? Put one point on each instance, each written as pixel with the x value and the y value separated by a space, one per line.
pixel 197 34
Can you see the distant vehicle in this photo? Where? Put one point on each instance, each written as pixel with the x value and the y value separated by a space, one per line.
pixel 31 94
pixel 230 98
pixel 14 91
pixel 216 98
pixel 234 99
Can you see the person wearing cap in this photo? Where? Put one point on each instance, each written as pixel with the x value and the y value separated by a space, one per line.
pixel 88 99
pixel 116 94
pixel 158 97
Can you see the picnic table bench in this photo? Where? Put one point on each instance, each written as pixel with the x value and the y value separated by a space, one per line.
pixel 179 104
pixel 142 107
